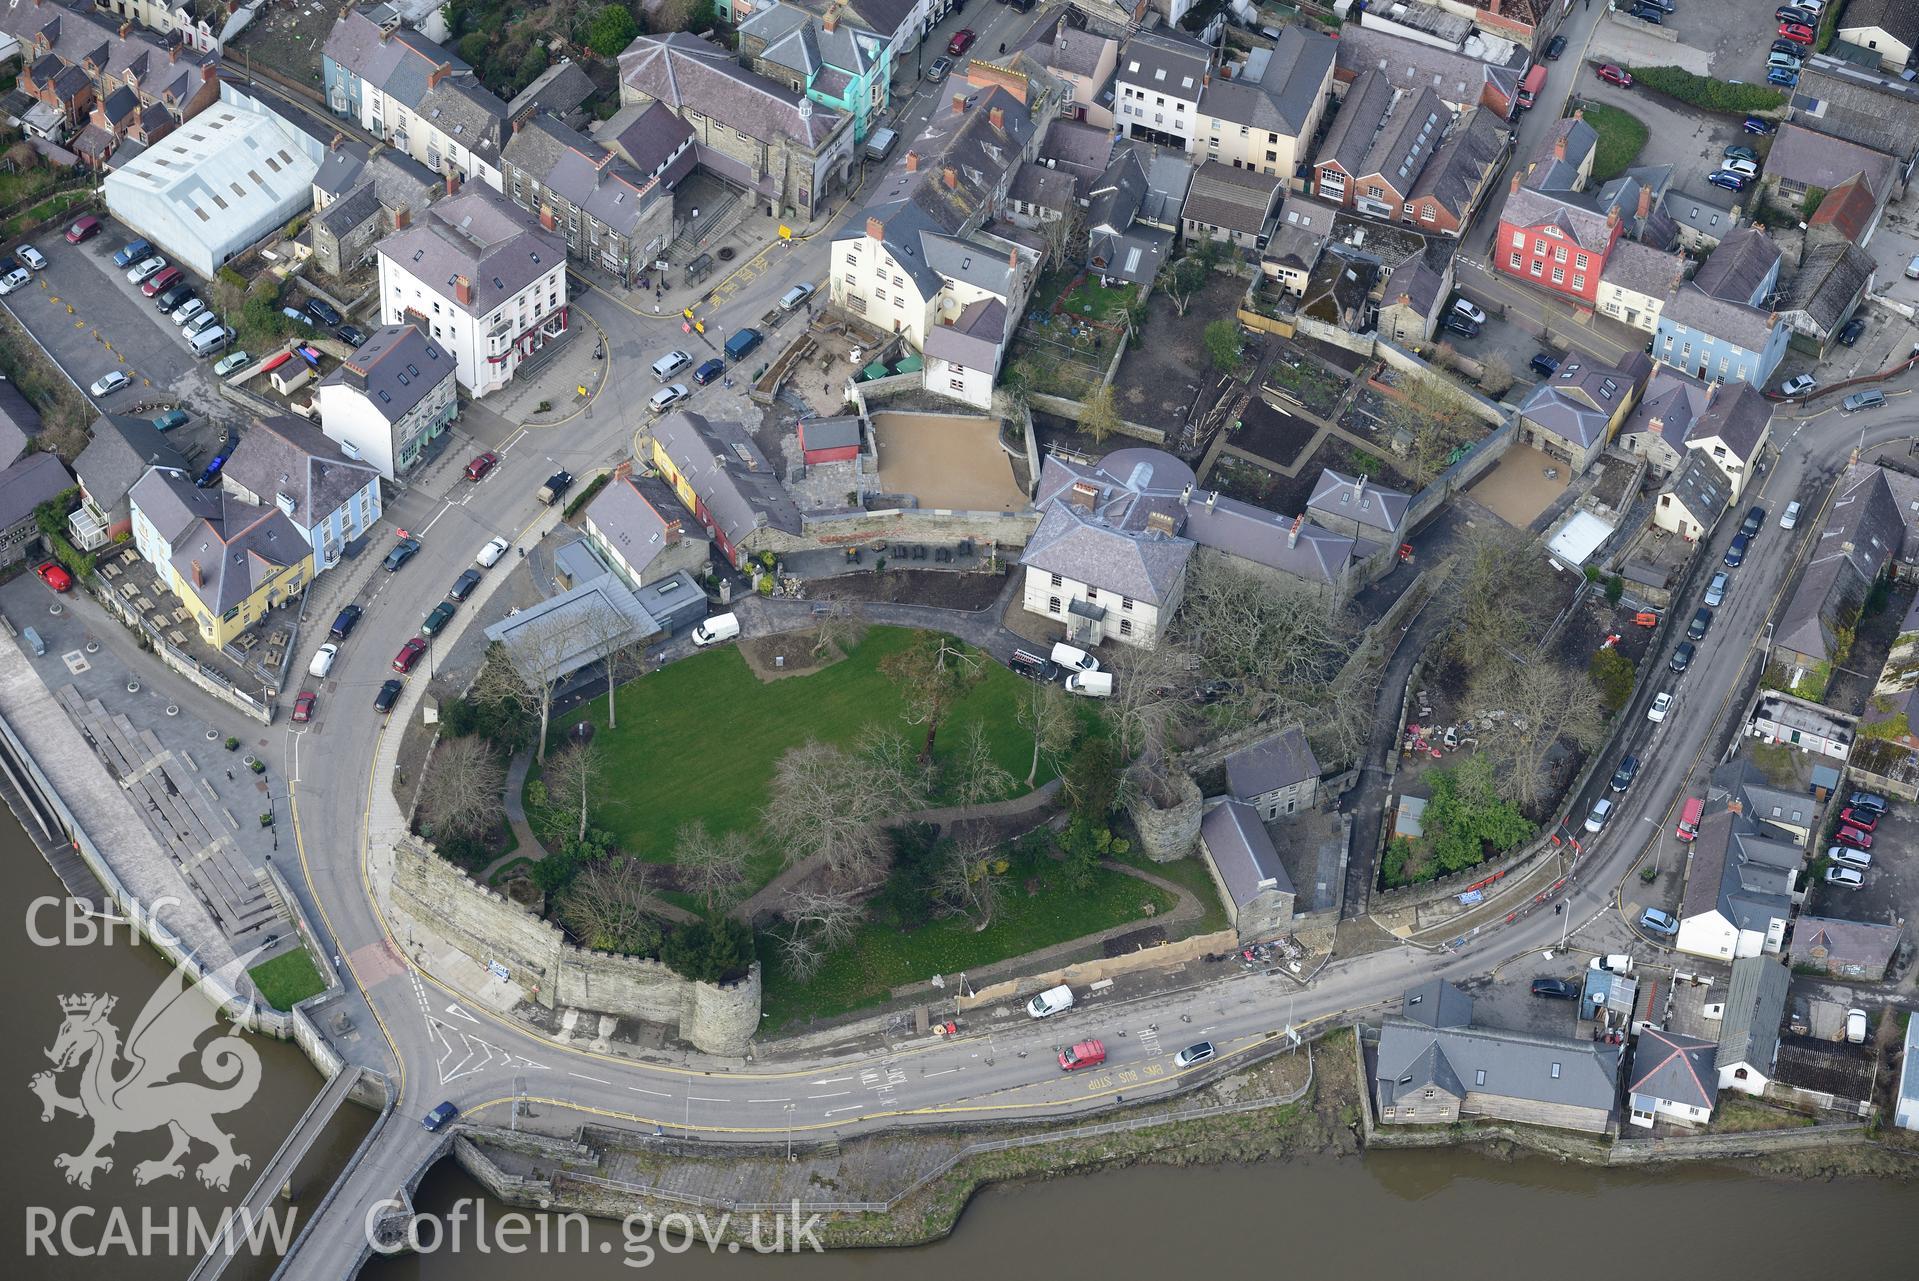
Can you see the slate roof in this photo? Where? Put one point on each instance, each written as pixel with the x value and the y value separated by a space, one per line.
pixel 1829 282
pixel 560 616
pixel 1407 141
pixel 1281 100
pixel 1740 267
pixel 1700 487
pixel 1080 149
pixel 1300 236
pixel 1047 188
pixel 1242 852
pixel 399 364
pixel 1675 1067
pixel 29 482
pixel 1672 404
pixel 19 420
pixel 649 136
pixel 1292 545
pixel 1738 414
pixel 1457 171
pixel 634 525
pixel 1364 109
pixel 284 456
pixel 1117 194
pixel 1815 159
pixel 1820 940
pixel 1458 78
pixel 118 453
pixel 1234 200
pixel 1277 761
pixel 1518 1065
pixel 1740 872
pixel 78 36
pixel 340 169
pixel 979 153
pixel 688 73
pixel 1145 566
pixel 481 235
pixel 1860 106
pixel 1642 269
pixel 1066 48
pixel 228 547
pixel 799 41
pixel 883 16
pixel 1694 309
pixel 402 64
pixel 1709 219
pixel 1357 498
pixel 1436 1003
pixel 1530 208
pixel 1165 62
pixel 728 474
pixel 1897 18
pixel 972 339
pixel 1579 400
pixel 560 89
pixel 1742 781
pixel 583 173
pixel 1866 526
pixel 1755 1004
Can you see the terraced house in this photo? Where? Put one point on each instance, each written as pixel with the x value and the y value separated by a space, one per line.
pixel 417 95
pixel 832 60
pixel 611 216
pixel 98 83
pixel 1261 118
pixel 1719 325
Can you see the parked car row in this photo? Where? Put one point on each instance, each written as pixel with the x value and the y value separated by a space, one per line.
pixel 1078 669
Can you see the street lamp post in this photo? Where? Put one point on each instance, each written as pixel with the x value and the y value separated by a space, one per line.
pixel 789 1134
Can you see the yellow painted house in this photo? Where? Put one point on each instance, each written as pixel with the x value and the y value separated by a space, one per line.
pixel 227 560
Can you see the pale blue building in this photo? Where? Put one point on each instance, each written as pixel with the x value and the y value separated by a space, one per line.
pixel 1720 326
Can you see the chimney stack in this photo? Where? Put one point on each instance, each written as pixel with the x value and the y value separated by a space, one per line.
pixel 547 221
pixel 1612 217
pixel 438 74
pixel 1012 257
pixel 126 29
pixel 875 229
pixel 959 103
pixel 402 218
pixel 912 162
pixel 1645 203
pixel 199 580
pixel 832 20
pixel 386 34
pixel 1559 147
pixel 1292 535
pixel 950 176
pixel 333 143
pixel 1515 186
pixel 463 290
pixel 1579 113
pixel 997 116
pixel 453 183
pixel 173 53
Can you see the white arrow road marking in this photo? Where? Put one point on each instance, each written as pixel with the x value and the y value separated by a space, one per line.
pixel 469 1056
pixel 830 1080
pixel 459 1013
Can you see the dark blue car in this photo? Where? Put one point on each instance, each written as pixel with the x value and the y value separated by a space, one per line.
pixel 709 371
pixel 1736 554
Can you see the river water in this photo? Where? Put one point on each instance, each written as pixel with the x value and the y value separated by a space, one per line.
pixel 1433 1214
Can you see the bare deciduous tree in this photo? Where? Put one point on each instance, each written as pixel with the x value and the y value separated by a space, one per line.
pixel 815 923
pixel 1490 621
pixel 1065 237
pixel 464 788
pixel 1150 692
pixel 970 880
pixel 837 628
pixel 1534 705
pixel 572 780
pixel 1271 650
pixel 603 628
pixel 608 906
pixel 1098 415
pixel 975 778
pixel 1048 717
pixel 933 674
pixel 827 805
pixel 1436 417
pixel 711 866
pixel 527 669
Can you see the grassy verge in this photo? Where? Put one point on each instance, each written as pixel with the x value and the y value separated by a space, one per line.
pixel 1189 874
pixel 1740 1116
pixel 1706 93
pixel 65 414
pixel 1041 908
pixel 1621 138
pixel 287 979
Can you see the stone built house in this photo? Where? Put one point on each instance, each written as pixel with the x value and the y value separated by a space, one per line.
pixel 1436 1067
pixel 1461 80
pixel 1245 866
pixel 1574 415
pixel 1861 950
pixel 390 399
pixel 1691 502
pixel 1869 532
pixel 831 59
pixel 120 451
pixel 1277 775
pixel 721 477
pixel 1680 416
pixel 1741 886
pixel 785 150
pixel 361 197
pixel 1236 206
pixel 613 217
pixel 1749 1024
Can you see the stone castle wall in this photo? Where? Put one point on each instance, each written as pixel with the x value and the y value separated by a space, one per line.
pixel 489 927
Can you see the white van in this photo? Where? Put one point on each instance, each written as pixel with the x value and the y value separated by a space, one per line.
pixel 210 340
pixel 1074 659
pixel 1050 1002
pixel 490 554
pixel 1790 518
pixel 1090 684
pixel 716 629
pixel 669 364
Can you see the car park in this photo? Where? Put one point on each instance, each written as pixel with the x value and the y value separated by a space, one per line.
pixel 108 383
pixel 481 465
pixel 1868 800
pixel 188 310
pixel 1859 400
pixel 1845 857
pixel 1716 589
pixel 1659 922
pixel 1797 31
pixel 403 551
pixel 1736 553
pixel 1790 517
pixel 389 695
pixel 1700 625
pixel 1192 1054
pixel 463 585
pixel 409 655
pixel 1862 818
pixel 161 281
pixel 667 397
pixel 1682 657
pixel 1849 877
pixel 1555 989
pixel 228 363
pixel 83 229
pixel 54 576
pixel 1741 152
pixel 1744 168
pixel 323 659
pixel 169 419
pixel 709 370
pixel 1661 704
pixel 1797 385
pixel 1614 75
pixel 145 268
pixel 1794 13
pixel 669 364
pixel 125 256
pixel 345 621
pixel 962 41
pixel 1465 307
pixel 303 706
pixel 15 279
pixel 1854 837
pixel 1790 49
pixel 30 258
pixel 1601 812
pixel 1646 13
pixel 323 312
pixel 1623 776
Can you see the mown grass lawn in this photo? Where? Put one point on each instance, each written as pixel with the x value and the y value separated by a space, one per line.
pixel 287 979
pixel 699 739
pixel 881 958
pixel 1622 136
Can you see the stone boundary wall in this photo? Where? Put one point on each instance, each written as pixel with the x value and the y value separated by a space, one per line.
pixel 1073 409
pixel 488 927
pixel 852 527
pixel 1087 972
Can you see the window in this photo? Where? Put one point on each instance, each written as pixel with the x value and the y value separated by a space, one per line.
pixel 1539 266
pixel 1428 214
pixel 1479 1077
pixel 1579 282
pixel 1125 627
pixel 1555 1071
pixel 1126 602
pixel 1539 246
pixel 1519 240
pixel 1052 605
pixel 1559 253
pixel 1515 260
pixel 1580 262
pixel 1559 275
pixel 1058 581
pixel 957 384
pixel 1092 593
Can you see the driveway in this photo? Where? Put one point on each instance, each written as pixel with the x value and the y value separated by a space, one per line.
pixel 84 312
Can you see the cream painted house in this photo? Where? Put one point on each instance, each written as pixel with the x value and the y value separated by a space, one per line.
pixel 1263 121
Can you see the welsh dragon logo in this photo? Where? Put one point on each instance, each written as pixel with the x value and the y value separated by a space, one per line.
pixel 131 1089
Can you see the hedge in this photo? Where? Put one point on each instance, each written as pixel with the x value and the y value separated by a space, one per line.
pixel 1708 94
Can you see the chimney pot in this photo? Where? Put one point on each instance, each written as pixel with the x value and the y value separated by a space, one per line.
pixel 875 229
pixel 1292 535
pixel 1559 147
pixel 832 20
pixel 950 176
pixel 438 74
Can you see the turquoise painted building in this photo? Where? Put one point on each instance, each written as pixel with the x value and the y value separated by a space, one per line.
pixel 832 60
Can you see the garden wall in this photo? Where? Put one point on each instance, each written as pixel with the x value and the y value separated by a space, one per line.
pixel 1073 409
pixel 488 927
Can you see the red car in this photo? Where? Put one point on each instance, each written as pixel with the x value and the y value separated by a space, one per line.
pixel 84 229
pixel 1615 75
pixel 1852 836
pixel 1863 819
pixel 164 279
pixel 479 467
pixel 303 706
pixel 409 655
pixel 55 577
pixel 961 42
pixel 1797 32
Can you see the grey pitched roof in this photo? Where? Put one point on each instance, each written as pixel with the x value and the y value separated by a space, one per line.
pixel 1281 100
pixel 402 63
pixel 1080 149
pixel 1579 400
pixel 1518 1065
pixel 228 547
pixel 340 168
pixel 289 458
pixel 686 72
pixel 972 339
pixel 1738 414
pixel 1134 255
pixel 884 16
pixel 799 41
pixel 1142 565
pixel 1755 1003
pixel 1457 171
pixel 1270 764
pixel 1417 283
pixel 728 474
pixel 561 88
pixel 467 111
pixel 904 230
pixel 635 525
pixel 394 369
pixel 977 139
pixel 1820 939
pixel 118 453
pixel 1047 188
pixel 1643 269
pixel 574 646
pixel 1700 487
pixel 78 36
pixel 1357 498
pixel 1812 159
pixel 356 209
pixel 1747 327
pixel 1363 110
pixel 654 140
pixel 1743 781
pixel 1243 852
pixel 1706 217
pixel 1407 141
pixel 1740 872
pixel 1530 208
pixel 19 421
pixel 1118 193
pixel 27 483
pixel 1436 1003
pixel 481 235
pixel 1866 526
pixel 1829 282
pixel 1672 404
pixel 1165 62
pixel 1897 18
pixel 1860 106
pixel 1237 200
pixel 1292 545
pixel 1740 267
pixel 1674 1067
pixel 1066 48
pixel 583 173
pixel 1458 78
